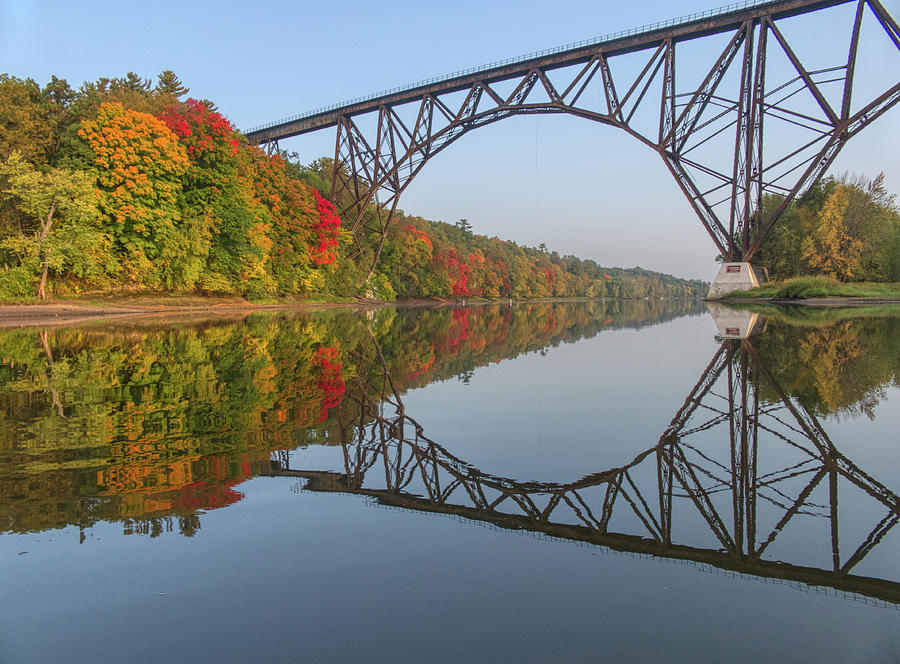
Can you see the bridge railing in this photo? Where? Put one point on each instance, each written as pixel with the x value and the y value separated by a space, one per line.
pixel 650 27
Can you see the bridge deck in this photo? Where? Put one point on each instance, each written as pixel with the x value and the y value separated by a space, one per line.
pixel 681 29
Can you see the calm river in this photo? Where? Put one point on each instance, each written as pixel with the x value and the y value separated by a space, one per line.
pixel 615 481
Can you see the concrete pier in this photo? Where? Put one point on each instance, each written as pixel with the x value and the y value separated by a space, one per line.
pixel 732 277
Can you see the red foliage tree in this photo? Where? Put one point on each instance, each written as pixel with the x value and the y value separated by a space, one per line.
pixel 202 130
pixel 327 230
pixel 457 271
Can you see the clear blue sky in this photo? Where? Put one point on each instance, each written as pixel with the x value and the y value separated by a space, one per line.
pixel 579 187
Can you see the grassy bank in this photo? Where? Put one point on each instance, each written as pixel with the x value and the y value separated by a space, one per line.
pixel 806 288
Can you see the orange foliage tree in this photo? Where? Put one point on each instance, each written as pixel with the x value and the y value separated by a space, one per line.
pixel 138 163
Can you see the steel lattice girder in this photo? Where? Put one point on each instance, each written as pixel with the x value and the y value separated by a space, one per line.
pixel 373 170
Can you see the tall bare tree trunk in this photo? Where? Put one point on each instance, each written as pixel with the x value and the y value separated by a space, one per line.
pixel 42 293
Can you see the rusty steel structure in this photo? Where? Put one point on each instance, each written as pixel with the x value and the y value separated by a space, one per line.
pixel 762 120
pixel 735 459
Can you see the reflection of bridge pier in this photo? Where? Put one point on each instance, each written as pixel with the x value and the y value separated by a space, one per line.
pixel 770 475
pixel 733 323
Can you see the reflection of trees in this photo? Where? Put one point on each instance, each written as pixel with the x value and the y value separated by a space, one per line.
pixel 839 367
pixel 148 424
pixel 151 425
pixel 728 480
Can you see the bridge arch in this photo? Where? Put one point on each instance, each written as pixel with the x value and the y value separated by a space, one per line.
pixel 755 88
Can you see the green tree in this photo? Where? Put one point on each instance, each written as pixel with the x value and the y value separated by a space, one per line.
pixel 133 83
pixel 24 127
pixel 65 230
pixel 873 219
pixel 167 83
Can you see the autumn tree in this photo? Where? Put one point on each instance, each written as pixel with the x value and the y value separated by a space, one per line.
pixel 848 227
pixel 137 165
pixel 872 217
pixel 303 228
pixel 217 187
pixel 831 247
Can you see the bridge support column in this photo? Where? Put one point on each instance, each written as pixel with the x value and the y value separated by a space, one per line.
pixel 732 277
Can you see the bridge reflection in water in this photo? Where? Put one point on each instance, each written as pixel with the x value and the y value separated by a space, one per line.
pixel 740 466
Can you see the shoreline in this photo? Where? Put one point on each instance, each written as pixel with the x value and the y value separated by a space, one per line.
pixel 60 312
pixel 161 308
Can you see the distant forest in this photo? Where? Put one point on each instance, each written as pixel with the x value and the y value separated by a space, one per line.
pixel 130 185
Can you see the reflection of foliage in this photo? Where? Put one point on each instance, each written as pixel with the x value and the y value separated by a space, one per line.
pixel 826 352
pixel 157 420
pixel 838 368
pixel 146 424
pixel 326 363
pixel 149 426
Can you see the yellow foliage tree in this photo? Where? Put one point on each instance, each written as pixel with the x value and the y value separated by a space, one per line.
pixel 831 247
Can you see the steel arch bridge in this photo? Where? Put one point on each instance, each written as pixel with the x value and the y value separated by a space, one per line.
pixel 763 119
pixel 743 467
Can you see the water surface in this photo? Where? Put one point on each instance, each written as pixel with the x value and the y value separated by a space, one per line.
pixel 550 482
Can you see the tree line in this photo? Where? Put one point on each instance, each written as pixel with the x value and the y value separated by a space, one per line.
pixel 122 185
pixel 422 258
pixel 127 184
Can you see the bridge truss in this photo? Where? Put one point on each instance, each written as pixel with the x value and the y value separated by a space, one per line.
pixel 763 118
pixel 728 477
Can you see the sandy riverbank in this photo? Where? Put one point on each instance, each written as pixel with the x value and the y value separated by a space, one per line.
pixel 68 313
pixel 161 308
